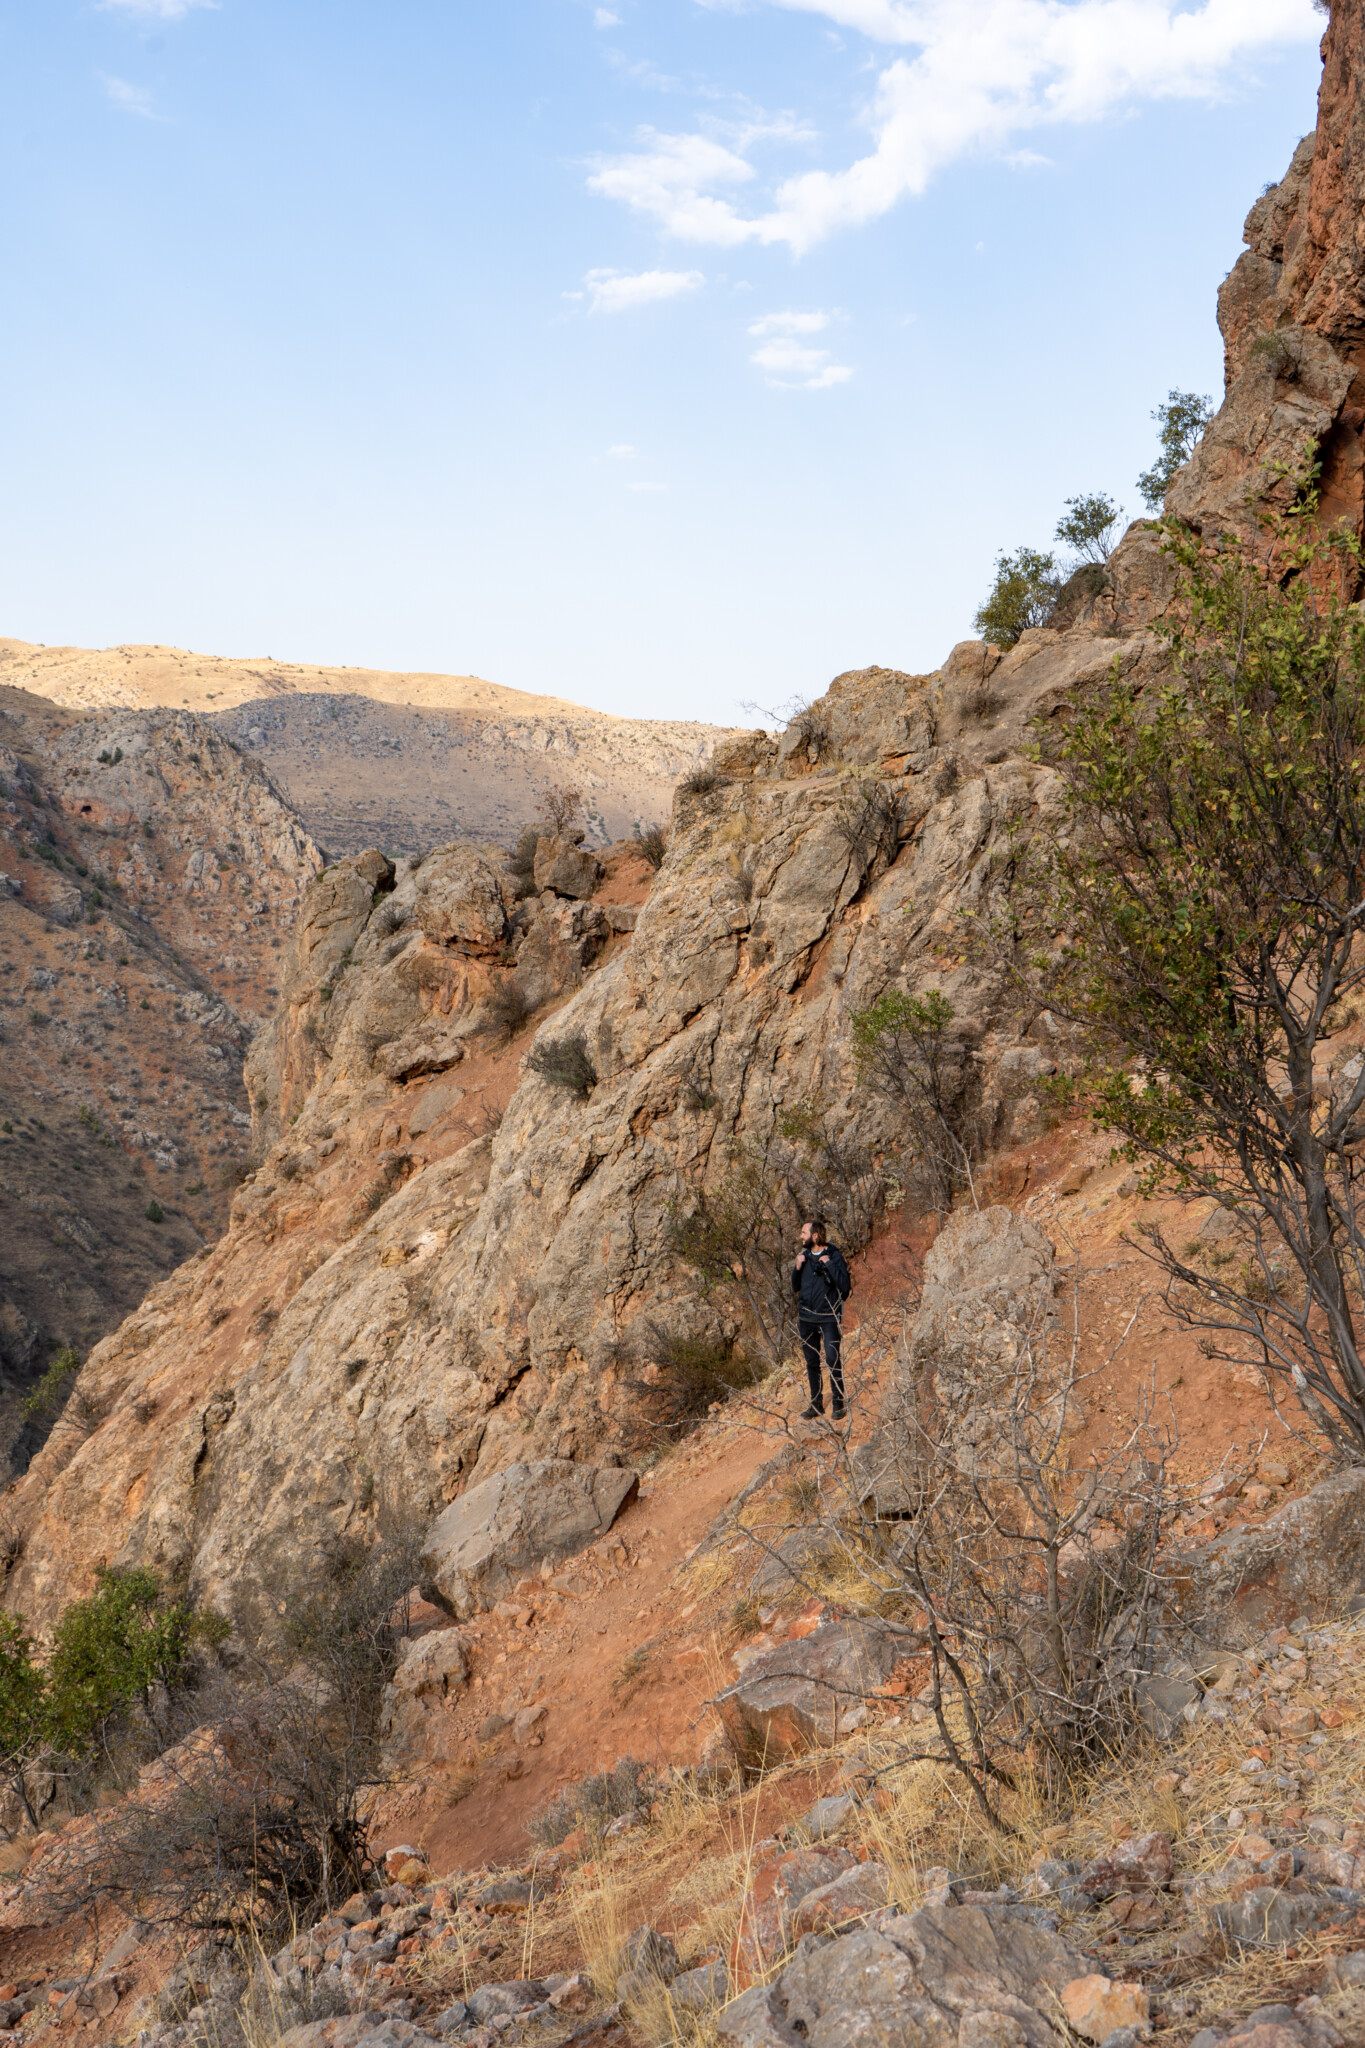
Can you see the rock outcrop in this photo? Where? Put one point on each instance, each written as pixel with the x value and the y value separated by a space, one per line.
pixel 1292 314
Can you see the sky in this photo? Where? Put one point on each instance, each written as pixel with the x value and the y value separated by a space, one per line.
pixel 670 356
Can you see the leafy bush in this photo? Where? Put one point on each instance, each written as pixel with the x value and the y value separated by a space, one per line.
pixel 1089 525
pixel 1209 883
pixel 565 1063
pixel 1023 594
pixel 595 1802
pixel 903 1048
pixel 1182 420
pixel 22 1702
pixel 154 1211
pixel 652 844
pixel 108 1653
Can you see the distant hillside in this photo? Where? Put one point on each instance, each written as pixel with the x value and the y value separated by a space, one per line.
pixel 405 762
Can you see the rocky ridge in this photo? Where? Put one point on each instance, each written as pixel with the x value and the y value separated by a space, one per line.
pixel 148 875
pixel 404 762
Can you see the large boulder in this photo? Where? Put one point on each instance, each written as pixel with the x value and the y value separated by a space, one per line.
pixel 564 864
pixel 459 900
pixel 487 1539
pixel 797 1695
pixel 1307 1559
pixel 984 1318
pixel 912 1983
pixel 415 1725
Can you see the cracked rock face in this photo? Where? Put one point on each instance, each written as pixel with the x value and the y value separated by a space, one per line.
pixel 418 1292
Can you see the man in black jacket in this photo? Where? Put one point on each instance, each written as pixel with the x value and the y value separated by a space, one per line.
pixel 820 1280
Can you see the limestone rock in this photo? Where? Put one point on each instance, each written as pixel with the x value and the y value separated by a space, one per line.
pixel 461 899
pixel 562 940
pixel 1307 1558
pixel 566 866
pixel 915 1979
pixel 1096 2007
pixel 413 1725
pixel 795 1696
pixel 485 1541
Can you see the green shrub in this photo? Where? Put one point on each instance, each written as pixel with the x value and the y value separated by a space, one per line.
pixel 1089 526
pixel 1182 420
pixel 565 1063
pixel 1023 595
pixel 109 1651
pixel 51 1391
pixel 154 1211
pixel 22 1707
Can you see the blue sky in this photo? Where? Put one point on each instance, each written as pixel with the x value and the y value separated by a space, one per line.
pixel 662 355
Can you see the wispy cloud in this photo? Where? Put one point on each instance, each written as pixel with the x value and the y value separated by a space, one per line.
pixel 646 487
pixel 153 10
pixel 604 18
pixel 620 291
pixel 983 74
pixel 622 452
pixel 788 361
pixel 130 99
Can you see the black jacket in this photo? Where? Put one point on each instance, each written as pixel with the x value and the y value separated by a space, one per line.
pixel 822 1282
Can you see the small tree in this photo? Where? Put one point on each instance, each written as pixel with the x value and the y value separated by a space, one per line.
pixel 565 1063
pixel 1089 525
pixel 902 1047
pixel 23 1717
pixel 1210 897
pixel 1182 420
pixel 561 806
pixel 1023 594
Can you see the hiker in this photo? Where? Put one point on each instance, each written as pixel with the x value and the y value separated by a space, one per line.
pixel 820 1280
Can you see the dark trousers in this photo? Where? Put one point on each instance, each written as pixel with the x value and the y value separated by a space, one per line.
pixel 815 1329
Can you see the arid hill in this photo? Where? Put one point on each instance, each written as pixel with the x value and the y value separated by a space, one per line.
pixel 404 762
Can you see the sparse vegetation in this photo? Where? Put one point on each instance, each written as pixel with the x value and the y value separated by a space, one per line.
pixel 903 1047
pixel 50 1393
pixel 699 781
pixel 651 842
pixel 154 1211
pixel 565 1063
pixel 561 806
pixel 1181 420
pixel 595 1802
pixel 506 1006
pixel 868 817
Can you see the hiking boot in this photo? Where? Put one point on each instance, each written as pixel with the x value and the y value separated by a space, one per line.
pixel 838 1412
pixel 811 1414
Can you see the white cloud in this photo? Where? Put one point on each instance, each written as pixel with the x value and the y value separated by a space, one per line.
pixel 604 18
pixel 619 291
pixel 622 452
pixel 790 323
pixel 791 363
pixel 983 73
pixel 153 10
pixel 131 99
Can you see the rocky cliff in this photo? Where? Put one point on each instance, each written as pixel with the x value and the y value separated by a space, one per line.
pixel 1292 315
pixel 448 1263
pixel 148 875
